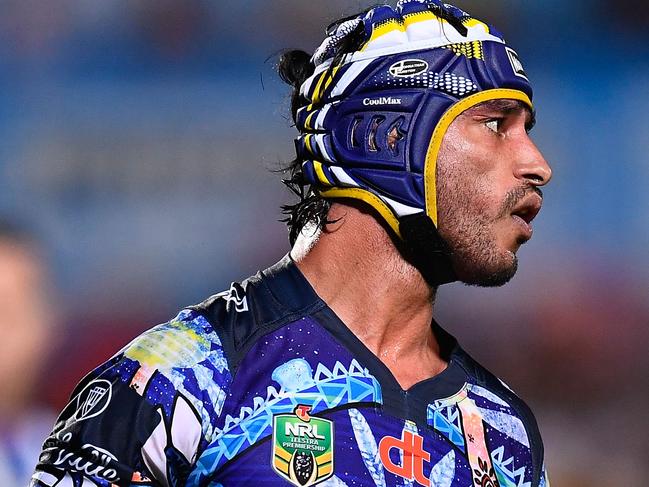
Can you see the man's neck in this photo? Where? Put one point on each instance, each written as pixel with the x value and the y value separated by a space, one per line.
pixel 355 268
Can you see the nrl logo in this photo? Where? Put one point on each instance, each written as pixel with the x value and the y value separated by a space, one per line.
pixel 303 450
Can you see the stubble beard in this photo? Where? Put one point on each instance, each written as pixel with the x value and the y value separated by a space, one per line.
pixel 476 257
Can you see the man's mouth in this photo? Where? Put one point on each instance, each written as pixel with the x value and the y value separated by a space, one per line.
pixel 525 211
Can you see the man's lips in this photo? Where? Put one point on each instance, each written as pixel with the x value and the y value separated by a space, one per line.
pixel 528 208
pixel 525 211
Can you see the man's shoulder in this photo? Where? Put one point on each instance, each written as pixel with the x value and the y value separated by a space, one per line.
pixel 183 342
pixel 256 306
pixel 501 406
pixel 493 387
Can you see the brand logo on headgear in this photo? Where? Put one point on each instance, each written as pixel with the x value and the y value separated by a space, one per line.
pixel 384 100
pixel 408 67
pixel 515 61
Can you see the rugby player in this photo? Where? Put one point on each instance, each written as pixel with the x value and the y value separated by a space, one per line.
pixel 414 168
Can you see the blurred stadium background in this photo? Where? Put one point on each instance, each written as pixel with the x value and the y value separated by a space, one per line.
pixel 137 149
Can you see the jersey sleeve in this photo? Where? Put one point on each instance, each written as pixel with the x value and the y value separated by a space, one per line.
pixel 143 417
pixel 545 480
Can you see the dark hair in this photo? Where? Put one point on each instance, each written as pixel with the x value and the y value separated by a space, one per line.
pixel 294 68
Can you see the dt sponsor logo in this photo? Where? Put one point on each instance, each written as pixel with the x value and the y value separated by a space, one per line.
pixel 411 447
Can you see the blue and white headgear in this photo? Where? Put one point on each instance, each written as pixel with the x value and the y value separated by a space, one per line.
pixel 375 120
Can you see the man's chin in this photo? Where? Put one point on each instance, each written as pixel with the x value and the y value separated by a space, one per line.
pixel 487 275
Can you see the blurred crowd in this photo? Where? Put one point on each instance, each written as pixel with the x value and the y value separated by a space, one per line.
pixel 137 165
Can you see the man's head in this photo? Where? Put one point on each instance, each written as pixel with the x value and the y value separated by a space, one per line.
pixel 390 110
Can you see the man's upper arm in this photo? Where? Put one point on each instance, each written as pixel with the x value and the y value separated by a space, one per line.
pixel 143 417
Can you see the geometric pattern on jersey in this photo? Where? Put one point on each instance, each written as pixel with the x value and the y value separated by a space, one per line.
pixel 175 366
pixel 443 473
pixel 186 356
pixel 499 415
pixel 322 389
pixel 367 446
pixel 447 421
pixel 508 475
pixel 485 428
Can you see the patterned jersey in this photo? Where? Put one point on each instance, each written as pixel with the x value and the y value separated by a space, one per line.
pixel 264 384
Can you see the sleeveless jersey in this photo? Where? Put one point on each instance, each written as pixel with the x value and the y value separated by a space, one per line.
pixel 264 385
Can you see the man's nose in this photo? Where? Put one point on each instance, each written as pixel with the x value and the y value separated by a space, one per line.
pixel 532 166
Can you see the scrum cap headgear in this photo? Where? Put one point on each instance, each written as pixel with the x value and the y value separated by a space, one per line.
pixel 375 120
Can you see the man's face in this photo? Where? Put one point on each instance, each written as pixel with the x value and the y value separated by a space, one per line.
pixel 488 174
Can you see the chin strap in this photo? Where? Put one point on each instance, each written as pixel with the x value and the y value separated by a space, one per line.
pixel 426 249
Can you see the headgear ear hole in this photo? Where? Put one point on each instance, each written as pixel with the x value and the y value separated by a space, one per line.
pixel 394 135
pixel 371 135
pixel 353 140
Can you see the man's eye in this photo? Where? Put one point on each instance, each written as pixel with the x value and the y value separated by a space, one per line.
pixel 493 125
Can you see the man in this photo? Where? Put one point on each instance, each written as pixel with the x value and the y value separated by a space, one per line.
pixel 415 169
